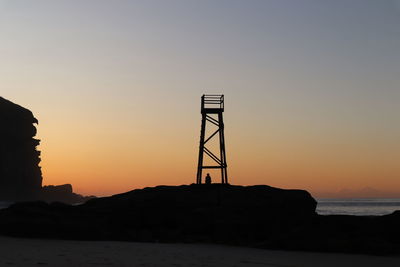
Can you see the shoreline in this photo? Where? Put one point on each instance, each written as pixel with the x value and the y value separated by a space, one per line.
pixel 52 252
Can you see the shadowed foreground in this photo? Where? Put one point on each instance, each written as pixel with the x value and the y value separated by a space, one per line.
pixel 254 216
pixel 60 253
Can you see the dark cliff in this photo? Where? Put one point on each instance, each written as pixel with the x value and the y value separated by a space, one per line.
pixel 20 174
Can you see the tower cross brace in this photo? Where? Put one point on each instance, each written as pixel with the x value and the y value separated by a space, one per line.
pixel 212 105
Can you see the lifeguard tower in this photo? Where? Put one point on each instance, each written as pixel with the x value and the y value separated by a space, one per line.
pixel 212 107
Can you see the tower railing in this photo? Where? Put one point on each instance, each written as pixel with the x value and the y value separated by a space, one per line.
pixel 212 103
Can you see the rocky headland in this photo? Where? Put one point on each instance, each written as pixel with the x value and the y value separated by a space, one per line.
pixel 20 173
pixel 256 216
pixel 187 213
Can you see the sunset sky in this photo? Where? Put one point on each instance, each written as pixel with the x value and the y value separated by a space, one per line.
pixel 312 90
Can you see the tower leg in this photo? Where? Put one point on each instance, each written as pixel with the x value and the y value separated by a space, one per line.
pixel 201 148
pixel 224 175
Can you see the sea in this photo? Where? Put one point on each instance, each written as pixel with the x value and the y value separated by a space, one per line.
pixel 337 206
pixel 358 206
pixel 5 204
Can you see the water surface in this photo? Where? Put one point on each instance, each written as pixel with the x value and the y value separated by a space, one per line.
pixel 359 206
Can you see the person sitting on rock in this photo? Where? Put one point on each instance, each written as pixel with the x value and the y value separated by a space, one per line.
pixel 208 179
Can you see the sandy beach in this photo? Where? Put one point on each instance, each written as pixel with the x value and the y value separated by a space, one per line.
pixel 36 252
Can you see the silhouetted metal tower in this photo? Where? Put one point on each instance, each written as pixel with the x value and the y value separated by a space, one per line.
pixel 212 105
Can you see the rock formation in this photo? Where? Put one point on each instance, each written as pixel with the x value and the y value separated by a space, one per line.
pixel 20 174
pixel 188 213
pixel 63 193
pixel 256 216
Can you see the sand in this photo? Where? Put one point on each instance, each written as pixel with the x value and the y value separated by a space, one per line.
pixel 37 252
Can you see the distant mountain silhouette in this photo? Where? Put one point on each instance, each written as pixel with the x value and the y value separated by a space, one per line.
pixel 20 173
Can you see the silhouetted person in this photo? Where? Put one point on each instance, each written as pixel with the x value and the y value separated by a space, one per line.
pixel 208 179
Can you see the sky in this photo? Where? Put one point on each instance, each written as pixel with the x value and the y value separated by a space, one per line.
pixel 311 89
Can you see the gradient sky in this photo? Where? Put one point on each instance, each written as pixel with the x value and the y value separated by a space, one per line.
pixel 312 89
